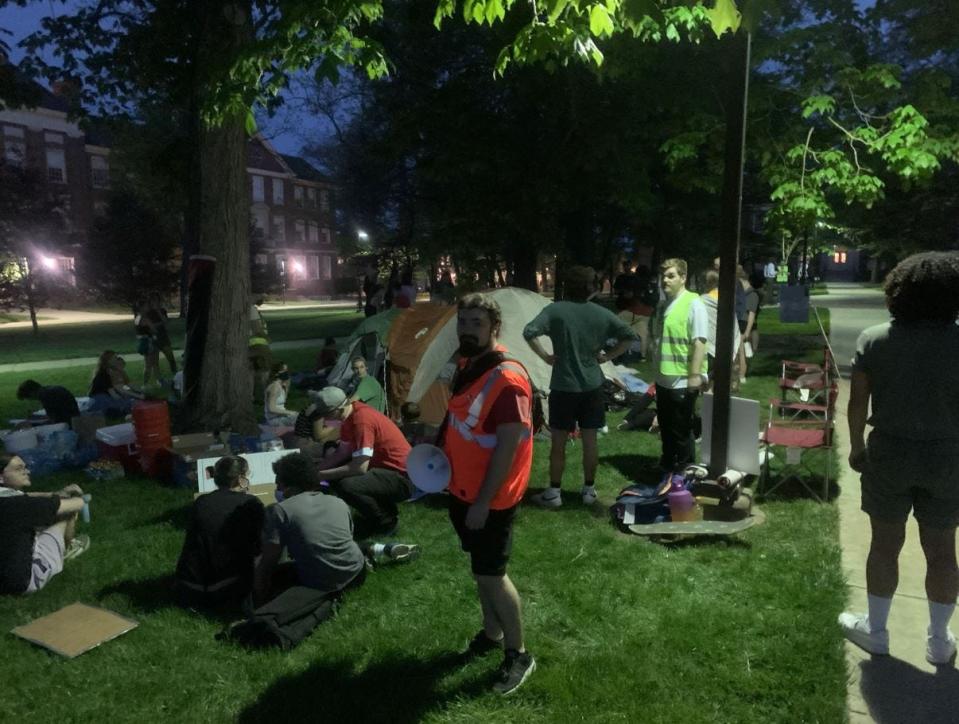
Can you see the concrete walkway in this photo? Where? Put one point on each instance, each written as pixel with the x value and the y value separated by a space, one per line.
pixel 91 361
pixel 49 316
pixel 902 687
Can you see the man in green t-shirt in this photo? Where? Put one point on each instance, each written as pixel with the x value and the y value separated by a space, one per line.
pixel 368 390
pixel 579 330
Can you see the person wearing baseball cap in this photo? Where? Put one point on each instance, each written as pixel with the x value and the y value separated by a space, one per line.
pixel 374 480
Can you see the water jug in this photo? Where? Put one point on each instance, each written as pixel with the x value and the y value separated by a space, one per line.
pixel 682 505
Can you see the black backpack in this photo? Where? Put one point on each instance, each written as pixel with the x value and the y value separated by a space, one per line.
pixel 285 621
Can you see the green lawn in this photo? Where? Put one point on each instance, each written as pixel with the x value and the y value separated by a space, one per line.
pixel 738 630
pixel 66 341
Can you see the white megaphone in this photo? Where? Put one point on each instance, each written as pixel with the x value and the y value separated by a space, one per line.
pixel 428 468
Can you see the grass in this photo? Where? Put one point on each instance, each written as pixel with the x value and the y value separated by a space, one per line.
pixel 735 630
pixel 68 341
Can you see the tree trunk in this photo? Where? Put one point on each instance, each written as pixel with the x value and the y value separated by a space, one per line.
pixel 223 393
pixel 524 270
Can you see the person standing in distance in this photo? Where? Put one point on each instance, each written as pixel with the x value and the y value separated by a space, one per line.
pixel 682 330
pixel 488 439
pixel 907 369
pixel 578 330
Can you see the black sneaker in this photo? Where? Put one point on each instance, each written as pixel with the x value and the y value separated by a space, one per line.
pixel 514 672
pixel 480 645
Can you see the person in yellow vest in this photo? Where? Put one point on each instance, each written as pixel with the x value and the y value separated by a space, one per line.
pixel 681 366
pixel 488 439
pixel 261 359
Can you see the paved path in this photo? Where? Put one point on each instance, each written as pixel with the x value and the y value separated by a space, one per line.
pixel 91 361
pixel 70 316
pixel 902 687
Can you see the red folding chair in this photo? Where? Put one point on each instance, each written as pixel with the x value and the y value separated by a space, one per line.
pixel 805 435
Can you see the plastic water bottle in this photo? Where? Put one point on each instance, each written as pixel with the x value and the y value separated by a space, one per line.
pixel 682 505
pixel 85 511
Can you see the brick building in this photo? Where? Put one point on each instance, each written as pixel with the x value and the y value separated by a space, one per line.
pixel 291 202
pixel 292 212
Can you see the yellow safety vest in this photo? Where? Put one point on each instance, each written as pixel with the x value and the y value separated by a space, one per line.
pixel 676 344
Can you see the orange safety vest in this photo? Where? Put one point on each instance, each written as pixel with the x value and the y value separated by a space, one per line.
pixel 469 448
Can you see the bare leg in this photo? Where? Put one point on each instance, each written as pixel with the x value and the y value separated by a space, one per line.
pixel 942 574
pixel 499 593
pixel 491 624
pixel 590 454
pixel 557 455
pixel 882 565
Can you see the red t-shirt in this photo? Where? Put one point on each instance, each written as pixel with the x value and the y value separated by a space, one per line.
pixel 373 434
pixel 512 405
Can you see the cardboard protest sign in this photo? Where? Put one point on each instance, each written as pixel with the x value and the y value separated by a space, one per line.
pixel 75 629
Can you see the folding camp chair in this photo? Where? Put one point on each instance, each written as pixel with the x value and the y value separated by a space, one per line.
pixel 804 435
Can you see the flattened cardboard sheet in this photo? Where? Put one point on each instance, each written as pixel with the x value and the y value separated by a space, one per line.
pixel 75 629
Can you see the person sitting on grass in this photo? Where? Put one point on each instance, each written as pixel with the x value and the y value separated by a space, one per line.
pixel 222 540
pixel 58 402
pixel 907 369
pixel 110 387
pixel 37 529
pixel 367 390
pixel 375 479
pixel 317 532
pixel 274 404
pixel 311 432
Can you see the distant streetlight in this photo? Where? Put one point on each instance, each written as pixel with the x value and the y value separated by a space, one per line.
pixel 298 268
pixel 48 263
pixel 362 235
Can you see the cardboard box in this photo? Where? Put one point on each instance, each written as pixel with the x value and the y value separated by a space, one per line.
pixel 184 453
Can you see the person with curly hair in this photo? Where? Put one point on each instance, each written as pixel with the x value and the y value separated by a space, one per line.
pixel 907 369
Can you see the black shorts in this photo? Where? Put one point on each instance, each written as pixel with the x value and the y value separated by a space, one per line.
pixel 489 547
pixel 567 409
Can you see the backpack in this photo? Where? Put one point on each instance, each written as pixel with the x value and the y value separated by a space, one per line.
pixel 285 621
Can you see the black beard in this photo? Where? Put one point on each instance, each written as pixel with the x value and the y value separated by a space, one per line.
pixel 469 347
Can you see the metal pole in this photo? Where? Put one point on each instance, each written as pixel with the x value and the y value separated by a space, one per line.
pixel 730 228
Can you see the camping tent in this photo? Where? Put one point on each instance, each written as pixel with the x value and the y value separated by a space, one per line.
pixel 420 346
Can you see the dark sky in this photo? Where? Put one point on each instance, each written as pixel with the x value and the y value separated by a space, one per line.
pixel 23 21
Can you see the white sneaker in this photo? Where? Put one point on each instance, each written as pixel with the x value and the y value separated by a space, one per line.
pixel 589 495
pixel 549 498
pixel 940 651
pixel 857 630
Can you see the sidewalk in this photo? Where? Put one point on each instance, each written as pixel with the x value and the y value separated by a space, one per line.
pixel 901 687
pixel 92 361
pixel 49 317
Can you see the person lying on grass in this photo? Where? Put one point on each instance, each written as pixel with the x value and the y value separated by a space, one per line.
pixel 37 529
pixel 222 540
pixel 317 532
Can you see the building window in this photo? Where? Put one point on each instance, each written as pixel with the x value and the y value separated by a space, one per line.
pixel 326 236
pixel 56 166
pixel 258 193
pixel 313 232
pixel 99 172
pixel 14 145
pixel 314 267
pixel 278 192
pixel 839 257
pixel 279 227
pixel 53 138
pixel 324 200
pixel 281 264
pixel 260 259
pixel 327 265
pixel 311 198
pixel 298 197
pixel 260 220
pixel 99 208
pixel 300 230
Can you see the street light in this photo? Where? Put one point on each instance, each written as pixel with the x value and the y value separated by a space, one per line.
pixel 298 268
pixel 48 263
pixel 362 235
